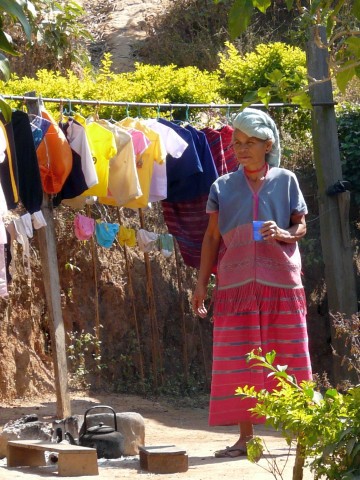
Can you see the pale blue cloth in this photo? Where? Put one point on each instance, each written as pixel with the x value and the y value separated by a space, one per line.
pixel 256 123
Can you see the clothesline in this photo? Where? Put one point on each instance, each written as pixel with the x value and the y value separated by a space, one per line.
pixel 139 104
pixel 155 104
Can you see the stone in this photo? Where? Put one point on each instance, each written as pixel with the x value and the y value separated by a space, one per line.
pixel 24 429
pixel 130 424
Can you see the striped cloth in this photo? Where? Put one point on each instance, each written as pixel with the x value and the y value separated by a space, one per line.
pixel 272 319
pixel 187 222
pixel 226 133
pixel 253 314
pixel 215 143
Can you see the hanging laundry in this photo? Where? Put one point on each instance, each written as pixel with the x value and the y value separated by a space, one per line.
pixel 26 221
pixel 54 156
pixel 226 133
pixel 187 221
pixel 180 169
pixel 155 152
pixel 84 227
pixel 3 276
pixel 3 242
pixel 127 236
pixel 174 146
pixel 123 178
pixel 76 136
pixel 103 148
pixel 185 208
pixel 22 238
pixel 215 143
pixel 202 182
pixel 38 220
pixel 30 187
pixel 9 177
pixel 8 258
pixel 147 241
pixel 106 233
pixel 83 174
pixel 39 127
pixel 166 244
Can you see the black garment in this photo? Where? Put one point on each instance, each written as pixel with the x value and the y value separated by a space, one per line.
pixel 9 176
pixel 75 183
pixel 30 188
pixel 8 257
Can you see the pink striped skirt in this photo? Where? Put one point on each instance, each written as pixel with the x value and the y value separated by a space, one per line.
pixel 260 316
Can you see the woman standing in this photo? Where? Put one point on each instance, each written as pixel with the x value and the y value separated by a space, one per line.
pixel 259 300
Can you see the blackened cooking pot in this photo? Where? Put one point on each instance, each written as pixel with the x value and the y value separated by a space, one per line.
pixel 107 440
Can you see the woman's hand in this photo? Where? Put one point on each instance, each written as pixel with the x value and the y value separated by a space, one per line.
pixel 198 299
pixel 271 232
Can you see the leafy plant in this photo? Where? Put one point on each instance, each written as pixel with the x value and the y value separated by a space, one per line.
pixel 271 72
pixel 339 17
pixel 325 427
pixel 84 358
pixel 57 38
pixel 11 12
pixel 348 121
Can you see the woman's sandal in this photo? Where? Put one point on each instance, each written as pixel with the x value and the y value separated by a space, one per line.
pixel 231 452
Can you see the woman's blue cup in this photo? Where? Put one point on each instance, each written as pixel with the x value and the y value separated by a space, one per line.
pixel 257 224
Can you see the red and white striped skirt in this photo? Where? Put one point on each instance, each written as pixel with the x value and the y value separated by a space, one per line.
pixel 260 316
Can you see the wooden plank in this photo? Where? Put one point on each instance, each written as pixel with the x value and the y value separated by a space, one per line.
pixel 47 246
pixel 337 253
pixel 163 459
pixel 53 447
pixel 73 460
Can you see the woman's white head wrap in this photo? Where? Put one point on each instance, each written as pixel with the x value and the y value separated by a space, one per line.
pixel 256 123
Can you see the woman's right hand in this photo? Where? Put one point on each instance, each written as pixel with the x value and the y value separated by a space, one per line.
pixel 198 299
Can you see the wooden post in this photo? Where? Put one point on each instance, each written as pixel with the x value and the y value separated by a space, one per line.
pixel 156 348
pixel 182 310
pixel 47 245
pixel 337 252
pixel 132 297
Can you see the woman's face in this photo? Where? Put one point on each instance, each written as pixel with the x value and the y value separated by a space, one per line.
pixel 250 151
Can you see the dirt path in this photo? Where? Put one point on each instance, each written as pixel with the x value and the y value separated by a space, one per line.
pixel 184 427
pixel 117 26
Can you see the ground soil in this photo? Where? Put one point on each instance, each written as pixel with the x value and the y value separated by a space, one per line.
pixel 165 424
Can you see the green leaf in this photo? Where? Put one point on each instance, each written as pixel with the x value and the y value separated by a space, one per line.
pixel 275 76
pixel 289 4
pixel 6 44
pixel 251 97
pixel 343 77
pixel 13 8
pixel 270 357
pixel 356 9
pixel 239 17
pixel 354 45
pixel 262 5
pixel 4 67
pixel 302 99
pixel 331 392
pixel 5 109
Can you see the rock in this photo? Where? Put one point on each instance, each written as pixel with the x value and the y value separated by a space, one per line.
pixel 69 425
pixel 130 424
pixel 24 429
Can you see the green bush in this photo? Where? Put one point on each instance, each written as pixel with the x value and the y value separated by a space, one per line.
pixel 148 83
pixel 348 121
pixel 326 428
pixel 272 65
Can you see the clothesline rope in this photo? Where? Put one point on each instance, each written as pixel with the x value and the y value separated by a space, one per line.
pixel 155 104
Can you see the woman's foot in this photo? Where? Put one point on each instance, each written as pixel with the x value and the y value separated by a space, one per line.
pixel 236 450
